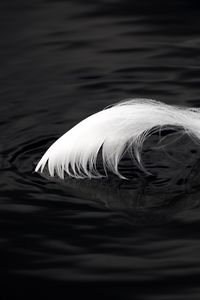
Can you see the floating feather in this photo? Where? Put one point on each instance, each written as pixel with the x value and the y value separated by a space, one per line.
pixel 111 132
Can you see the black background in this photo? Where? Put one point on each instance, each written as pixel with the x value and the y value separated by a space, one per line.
pixel 60 62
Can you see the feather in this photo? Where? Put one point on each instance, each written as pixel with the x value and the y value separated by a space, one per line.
pixel 111 132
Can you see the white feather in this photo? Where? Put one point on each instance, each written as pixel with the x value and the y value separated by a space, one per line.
pixel 114 130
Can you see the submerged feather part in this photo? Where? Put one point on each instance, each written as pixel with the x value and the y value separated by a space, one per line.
pixel 114 130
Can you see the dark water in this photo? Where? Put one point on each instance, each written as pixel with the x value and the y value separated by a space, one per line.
pixel 60 62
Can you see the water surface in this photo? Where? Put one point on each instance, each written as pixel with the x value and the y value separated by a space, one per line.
pixel 60 62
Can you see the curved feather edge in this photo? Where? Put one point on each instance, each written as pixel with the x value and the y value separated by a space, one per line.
pixel 114 130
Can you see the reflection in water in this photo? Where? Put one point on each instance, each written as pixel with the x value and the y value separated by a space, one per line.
pixel 172 181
